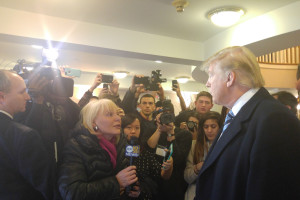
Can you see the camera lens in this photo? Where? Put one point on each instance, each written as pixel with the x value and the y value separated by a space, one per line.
pixel 191 125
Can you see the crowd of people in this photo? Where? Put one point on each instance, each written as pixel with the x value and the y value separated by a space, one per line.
pixel 107 147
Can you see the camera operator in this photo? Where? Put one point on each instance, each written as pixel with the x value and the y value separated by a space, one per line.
pixel 51 112
pixel 146 105
pixel 181 140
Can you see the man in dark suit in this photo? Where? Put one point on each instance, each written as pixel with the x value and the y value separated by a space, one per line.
pixel 26 172
pixel 257 154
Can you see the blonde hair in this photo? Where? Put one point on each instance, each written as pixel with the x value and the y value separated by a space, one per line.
pixel 94 108
pixel 240 60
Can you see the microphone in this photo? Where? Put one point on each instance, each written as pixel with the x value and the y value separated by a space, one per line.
pixel 132 151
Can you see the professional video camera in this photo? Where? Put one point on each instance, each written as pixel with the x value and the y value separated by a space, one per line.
pixel 150 83
pixel 167 111
pixel 59 86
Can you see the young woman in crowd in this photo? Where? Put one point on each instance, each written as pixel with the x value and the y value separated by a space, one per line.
pixel 149 169
pixel 209 126
pixel 191 123
pixel 94 164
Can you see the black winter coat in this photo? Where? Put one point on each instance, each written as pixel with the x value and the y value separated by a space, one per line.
pixel 86 171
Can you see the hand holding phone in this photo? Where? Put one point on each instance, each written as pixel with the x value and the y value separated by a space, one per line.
pixel 107 78
pixel 169 153
pixel 72 72
pixel 105 85
pixel 174 85
pixel 166 163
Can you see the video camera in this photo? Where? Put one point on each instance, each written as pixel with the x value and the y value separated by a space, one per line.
pixel 150 83
pixel 167 111
pixel 59 86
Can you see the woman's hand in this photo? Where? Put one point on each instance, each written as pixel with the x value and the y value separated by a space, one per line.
pixel 96 83
pixel 127 176
pixel 183 125
pixel 168 164
pixel 198 167
pixel 135 192
pixel 114 88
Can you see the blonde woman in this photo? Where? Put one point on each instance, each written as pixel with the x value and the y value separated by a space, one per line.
pixel 94 163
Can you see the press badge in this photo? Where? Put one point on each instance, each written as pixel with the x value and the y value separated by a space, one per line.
pixel 160 150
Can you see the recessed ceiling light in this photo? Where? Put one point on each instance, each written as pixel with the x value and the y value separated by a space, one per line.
pixel 225 16
pixel 120 74
pixel 158 61
pixel 182 79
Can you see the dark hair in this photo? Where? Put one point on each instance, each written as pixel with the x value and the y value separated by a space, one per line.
pixel 287 99
pixel 128 119
pixel 145 96
pixel 201 145
pixel 193 114
pixel 166 104
pixel 183 116
pixel 204 93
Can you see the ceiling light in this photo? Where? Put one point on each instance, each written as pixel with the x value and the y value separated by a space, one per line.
pixel 182 79
pixel 180 5
pixel 158 61
pixel 225 16
pixel 50 54
pixel 120 74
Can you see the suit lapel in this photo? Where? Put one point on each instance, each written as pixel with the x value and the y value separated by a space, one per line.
pixel 234 128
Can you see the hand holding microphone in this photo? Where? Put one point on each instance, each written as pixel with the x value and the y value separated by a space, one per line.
pixel 132 151
pixel 127 176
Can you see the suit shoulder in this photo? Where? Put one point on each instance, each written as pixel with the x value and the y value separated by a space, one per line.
pixel 23 130
pixel 271 106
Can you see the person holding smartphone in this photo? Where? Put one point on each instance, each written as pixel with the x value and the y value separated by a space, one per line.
pixel 176 88
pixel 110 90
pixel 180 141
pixel 149 169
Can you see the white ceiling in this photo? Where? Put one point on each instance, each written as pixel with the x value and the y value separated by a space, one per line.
pixel 149 16
pixel 127 35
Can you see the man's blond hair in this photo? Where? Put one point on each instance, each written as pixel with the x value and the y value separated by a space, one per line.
pixel 241 61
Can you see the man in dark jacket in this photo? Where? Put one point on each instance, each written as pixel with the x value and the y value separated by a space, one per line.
pixel 146 106
pixel 257 154
pixel 51 112
pixel 26 172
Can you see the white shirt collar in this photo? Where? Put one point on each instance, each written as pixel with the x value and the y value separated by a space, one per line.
pixel 243 100
pixel 6 113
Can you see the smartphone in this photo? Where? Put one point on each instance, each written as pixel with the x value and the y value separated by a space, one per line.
pixel 174 84
pixel 141 80
pixel 169 153
pixel 105 85
pixel 107 78
pixel 72 72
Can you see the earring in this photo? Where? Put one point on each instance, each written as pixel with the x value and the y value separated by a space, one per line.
pixel 96 128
